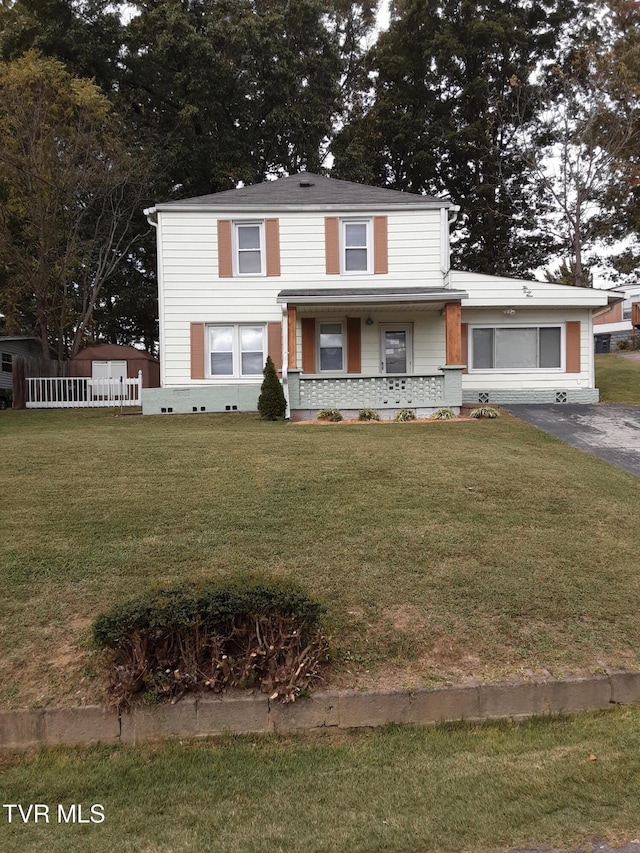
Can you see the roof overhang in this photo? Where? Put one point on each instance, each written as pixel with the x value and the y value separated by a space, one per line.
pixel 369 295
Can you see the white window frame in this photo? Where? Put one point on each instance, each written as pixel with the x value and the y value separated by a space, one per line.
pixel 356 220
pixel 513 326
pixel 236 352
pixel 326 321
pixel 236 250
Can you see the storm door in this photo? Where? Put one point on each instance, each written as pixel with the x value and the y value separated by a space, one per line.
pixel 396 346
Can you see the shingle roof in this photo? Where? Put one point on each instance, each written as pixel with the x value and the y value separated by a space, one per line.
pixel 307 189
pixel 381 294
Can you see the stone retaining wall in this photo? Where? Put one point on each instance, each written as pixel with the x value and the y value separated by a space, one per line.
pixel 204 716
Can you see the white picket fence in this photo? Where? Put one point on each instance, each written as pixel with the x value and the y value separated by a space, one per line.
pixel 80 392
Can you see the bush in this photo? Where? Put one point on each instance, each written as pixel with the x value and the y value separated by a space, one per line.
pixel 250 631
pixel 330 415
pixel 405 415
pixel 368 415
pixel 271 402
pixel 443 415
pixel 623 344
pixel 484 412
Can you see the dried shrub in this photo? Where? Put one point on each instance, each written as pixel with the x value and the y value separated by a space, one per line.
pixel 484 412
pixel 405 415
pixel 443 414
pixel 334 415
pixel 249 631
pixel 368 415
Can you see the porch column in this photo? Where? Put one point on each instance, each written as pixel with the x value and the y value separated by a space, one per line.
pixel 292 360
pixel 453 332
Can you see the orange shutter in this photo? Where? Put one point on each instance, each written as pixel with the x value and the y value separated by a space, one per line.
pixel 332 244
pixel 274 343
pixel 380 245
pixel 464 345
pixel 272 246
pixel 225 263
pixel 197 350
pixel 353 345
pixel 308 327
pixel 572 342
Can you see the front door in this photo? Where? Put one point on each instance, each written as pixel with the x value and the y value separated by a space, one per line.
pixel 396 347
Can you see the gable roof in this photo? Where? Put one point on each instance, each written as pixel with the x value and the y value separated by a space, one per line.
pixel 304 190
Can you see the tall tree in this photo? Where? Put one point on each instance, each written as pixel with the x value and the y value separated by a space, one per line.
pixel 443 115
pixel 69 191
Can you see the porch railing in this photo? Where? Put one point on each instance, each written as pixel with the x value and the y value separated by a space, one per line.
pixel 358 392
pixel 81 392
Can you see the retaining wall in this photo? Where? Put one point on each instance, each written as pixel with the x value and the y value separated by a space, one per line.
pixel 204 716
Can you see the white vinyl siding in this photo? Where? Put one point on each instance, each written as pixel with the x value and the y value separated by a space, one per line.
pixel 189 286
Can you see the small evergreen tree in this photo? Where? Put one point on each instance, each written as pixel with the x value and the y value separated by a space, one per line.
pixel 271 402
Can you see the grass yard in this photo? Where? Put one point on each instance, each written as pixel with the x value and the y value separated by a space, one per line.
pixel 618 378
pixel 444 551
pixel 454 788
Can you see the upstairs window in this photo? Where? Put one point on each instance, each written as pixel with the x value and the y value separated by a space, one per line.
pixel 249 248
pixel 356 245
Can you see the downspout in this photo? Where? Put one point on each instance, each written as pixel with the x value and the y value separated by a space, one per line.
pixel 152 218
pixel 285 358
pixel 447 217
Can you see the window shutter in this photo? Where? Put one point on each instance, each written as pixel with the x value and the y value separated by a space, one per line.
pixel 308 327
pixel 225 262
pixel 572 342
pixel 274 343
pixel 380 245
pixel 272 247
pixel 197 350
pixel 332 244
pixel 464 345
pixel 353 345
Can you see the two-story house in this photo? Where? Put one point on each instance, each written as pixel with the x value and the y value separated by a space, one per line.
pixel 349 289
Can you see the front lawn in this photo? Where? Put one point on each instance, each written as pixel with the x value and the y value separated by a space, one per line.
pixel 443 550
pixel 546 783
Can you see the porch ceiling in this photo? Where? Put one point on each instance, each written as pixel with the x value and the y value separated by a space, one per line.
pixel 419 297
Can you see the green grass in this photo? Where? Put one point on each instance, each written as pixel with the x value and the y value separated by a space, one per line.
pixel 442 550
pixel 476 788
pixel 618 379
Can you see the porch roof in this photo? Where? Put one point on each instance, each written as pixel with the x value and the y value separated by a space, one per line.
pixel 368 295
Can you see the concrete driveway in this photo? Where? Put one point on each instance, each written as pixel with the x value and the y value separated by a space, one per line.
pixel 609 431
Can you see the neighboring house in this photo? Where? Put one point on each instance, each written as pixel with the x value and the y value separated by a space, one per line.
pixel 619 321
pixel 349 289
pixel 13 347
pixel 111 361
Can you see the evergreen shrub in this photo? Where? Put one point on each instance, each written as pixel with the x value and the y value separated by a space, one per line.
pixel 271 402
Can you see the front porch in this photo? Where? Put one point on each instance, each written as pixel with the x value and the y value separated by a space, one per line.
pixel 385 349
pixel 386 394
